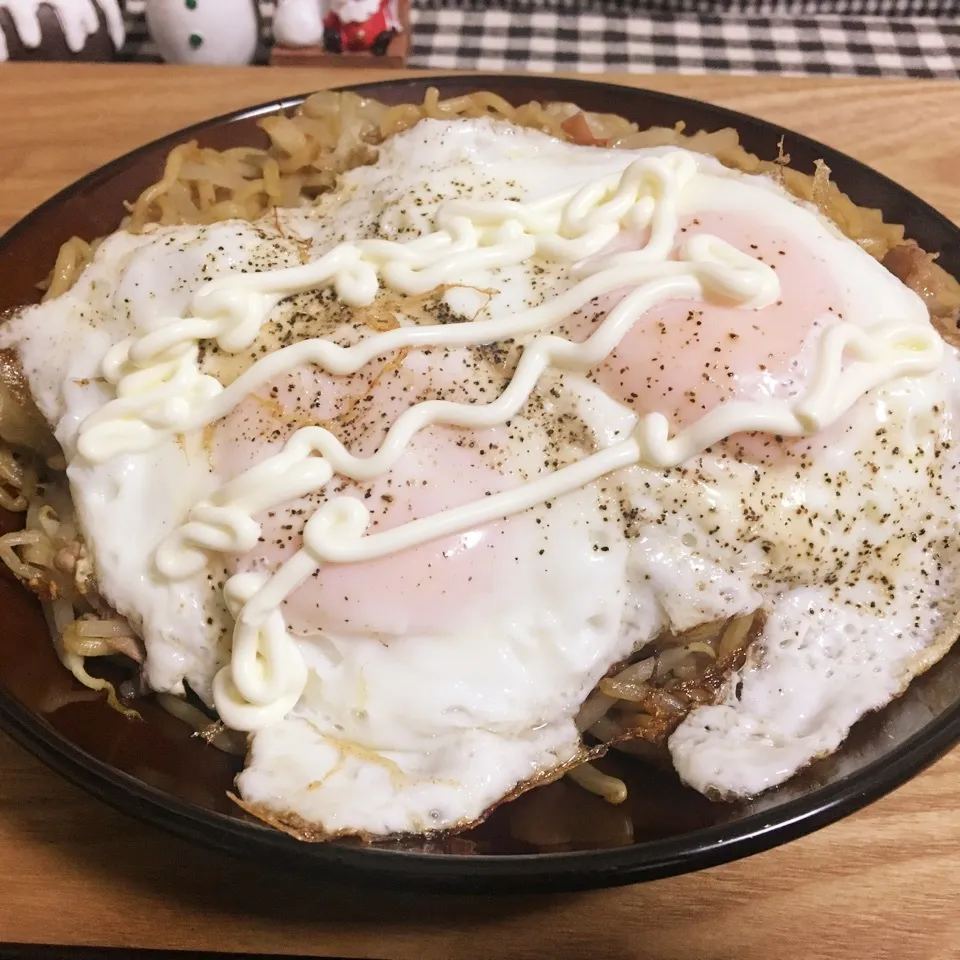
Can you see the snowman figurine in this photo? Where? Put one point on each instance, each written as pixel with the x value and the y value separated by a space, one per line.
pixel 298 23
pixel 218 32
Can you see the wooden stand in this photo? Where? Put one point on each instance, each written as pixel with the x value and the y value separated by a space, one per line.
pixel 396 55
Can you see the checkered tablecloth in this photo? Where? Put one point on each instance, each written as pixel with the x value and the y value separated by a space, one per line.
pixel 897 38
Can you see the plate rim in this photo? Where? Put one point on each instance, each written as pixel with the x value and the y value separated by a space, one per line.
pixel 475 873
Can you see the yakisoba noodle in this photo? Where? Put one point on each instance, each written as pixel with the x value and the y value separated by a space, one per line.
pixel 331 132
pixel 73 256
pixel 328 134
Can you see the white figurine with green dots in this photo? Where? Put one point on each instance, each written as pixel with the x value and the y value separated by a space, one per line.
pixel 221 32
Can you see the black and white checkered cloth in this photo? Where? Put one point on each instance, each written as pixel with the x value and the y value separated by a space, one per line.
pixel 895 38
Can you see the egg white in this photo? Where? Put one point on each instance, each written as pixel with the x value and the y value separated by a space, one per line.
pixel 423 730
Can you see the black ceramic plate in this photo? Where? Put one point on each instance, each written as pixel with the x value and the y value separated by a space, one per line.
pixel 554 838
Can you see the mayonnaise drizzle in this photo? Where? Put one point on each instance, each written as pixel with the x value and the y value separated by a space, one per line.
pixel 160 389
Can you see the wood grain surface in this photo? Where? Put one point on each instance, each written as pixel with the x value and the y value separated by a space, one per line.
pixel 884 883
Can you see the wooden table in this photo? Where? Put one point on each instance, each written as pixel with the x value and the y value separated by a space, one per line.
pixel 884 883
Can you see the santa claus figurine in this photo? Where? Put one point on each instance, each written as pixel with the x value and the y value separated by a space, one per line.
pixel 360 25
pixel 338 26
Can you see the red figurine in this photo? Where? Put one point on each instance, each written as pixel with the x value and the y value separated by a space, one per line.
pixel 356 25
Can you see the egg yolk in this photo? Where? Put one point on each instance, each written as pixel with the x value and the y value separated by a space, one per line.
pixel 423 589
pixel 683 358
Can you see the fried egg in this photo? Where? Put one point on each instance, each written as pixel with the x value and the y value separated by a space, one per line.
pixel 412 687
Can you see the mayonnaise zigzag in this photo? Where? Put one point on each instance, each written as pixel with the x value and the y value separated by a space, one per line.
pixel 161 390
